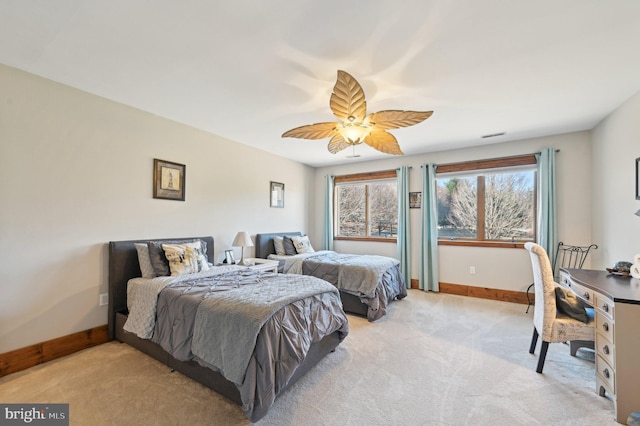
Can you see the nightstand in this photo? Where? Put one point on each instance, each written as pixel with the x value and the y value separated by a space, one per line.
pixel 262 264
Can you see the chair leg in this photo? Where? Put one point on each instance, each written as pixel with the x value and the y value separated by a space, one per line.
pixel 543 355
pixel 534 340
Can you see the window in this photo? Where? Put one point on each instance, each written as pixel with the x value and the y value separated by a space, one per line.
pixel 487 202
pixel 366 206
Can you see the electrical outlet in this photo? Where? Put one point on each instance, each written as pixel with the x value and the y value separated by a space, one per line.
pixel 104 299
pixel 472 270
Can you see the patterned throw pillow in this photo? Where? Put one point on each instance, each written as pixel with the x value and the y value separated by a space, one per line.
pixel 144 261
pixel 278 245
pixel 159 260
pixel 302 244
pixel 289 248
pixel 569 304
pixel 185 258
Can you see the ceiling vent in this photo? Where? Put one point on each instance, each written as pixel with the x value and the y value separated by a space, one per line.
pixel 493 135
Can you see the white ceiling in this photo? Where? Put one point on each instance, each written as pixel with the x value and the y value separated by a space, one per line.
pixel 250 70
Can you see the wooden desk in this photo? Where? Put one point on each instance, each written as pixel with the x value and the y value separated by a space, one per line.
pixel 616 302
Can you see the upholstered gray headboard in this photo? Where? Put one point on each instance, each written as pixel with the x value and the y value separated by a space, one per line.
pixel 264 243
pixel 123 265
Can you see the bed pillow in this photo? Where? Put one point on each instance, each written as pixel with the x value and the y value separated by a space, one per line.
pixel 569 304
pixel 158 259
pixel 302 244
pixel 289 248
pixel 145 261
pixel 278 245
pixel 185 258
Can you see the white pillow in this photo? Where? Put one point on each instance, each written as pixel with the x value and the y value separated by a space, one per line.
pixel 145 262
pixel 185 258
pixel 278 244
pixel 302 244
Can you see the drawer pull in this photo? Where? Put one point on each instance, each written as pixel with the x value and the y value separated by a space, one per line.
pixel 605 349
pixel 606 373
pixel 586 295
pixel 605 307
pixel 605 326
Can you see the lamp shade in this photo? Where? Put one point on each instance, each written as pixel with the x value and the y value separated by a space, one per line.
pixel 243 239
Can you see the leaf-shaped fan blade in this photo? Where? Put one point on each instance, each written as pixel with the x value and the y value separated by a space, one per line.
pixel 312 131
pixel 394 119
pixel 337 144
pixel 384 142
pixel 347 99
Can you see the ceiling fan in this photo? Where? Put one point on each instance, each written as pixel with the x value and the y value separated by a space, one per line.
pixel 355 126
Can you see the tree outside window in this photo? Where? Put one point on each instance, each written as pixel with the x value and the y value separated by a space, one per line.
pixel 366 207
pixel 487 206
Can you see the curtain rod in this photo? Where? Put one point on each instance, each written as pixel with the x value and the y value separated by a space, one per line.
pixel 488 159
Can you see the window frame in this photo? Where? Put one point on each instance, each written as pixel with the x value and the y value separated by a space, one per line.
pixel 478 166
pixel 360 177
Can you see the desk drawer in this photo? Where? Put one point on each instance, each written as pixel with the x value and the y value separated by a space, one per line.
pixel 605 305
pixel 606 350
pixel 582 292
pixel 565 279
pixel 605 372
pixel 604 325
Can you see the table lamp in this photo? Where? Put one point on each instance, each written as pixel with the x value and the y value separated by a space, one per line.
pixel 243 239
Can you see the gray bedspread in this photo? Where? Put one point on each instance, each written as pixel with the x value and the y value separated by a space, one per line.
pixel 376 280
pixel 249 326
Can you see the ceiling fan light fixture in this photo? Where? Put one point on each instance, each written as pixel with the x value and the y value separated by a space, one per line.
pixel 354 133
pixel 355 127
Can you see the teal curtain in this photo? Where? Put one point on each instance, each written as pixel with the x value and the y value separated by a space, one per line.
pixel 429 277
pixel 404 243
pixel 327 238
pixel 547 207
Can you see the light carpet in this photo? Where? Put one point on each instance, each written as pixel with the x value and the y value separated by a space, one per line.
pixel 435 359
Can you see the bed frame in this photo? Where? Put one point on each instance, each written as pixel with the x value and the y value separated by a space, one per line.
pixel 123 265
pixel 264 247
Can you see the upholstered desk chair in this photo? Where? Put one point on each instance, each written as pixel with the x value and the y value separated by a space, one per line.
pixel 552 326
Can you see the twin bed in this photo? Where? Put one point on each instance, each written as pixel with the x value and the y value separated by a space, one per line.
pixel 246 334
pixel 367 284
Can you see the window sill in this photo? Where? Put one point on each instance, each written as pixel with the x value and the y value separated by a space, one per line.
pixel 493 244
pixel 367 239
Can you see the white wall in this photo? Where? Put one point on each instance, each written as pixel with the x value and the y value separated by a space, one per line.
pixel 76 173
pixel 616 145
pixel 499 268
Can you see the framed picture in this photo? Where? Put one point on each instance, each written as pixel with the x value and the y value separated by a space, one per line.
pixel 276 191
pixel 638 178
pixel 415 200
pixel 168 180
pixel 228 257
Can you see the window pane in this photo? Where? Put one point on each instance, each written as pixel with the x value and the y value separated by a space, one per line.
pixel 509 206
pixel 351 210
pixel 383 209
pixel 458 207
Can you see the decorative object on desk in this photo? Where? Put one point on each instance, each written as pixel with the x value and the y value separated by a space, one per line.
pixel 348 104
pixel 635 268
pixel 415 200
pixel 621 267
pixel 228 257
pixel 276 191
pixel 168 180
pixel 243 239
